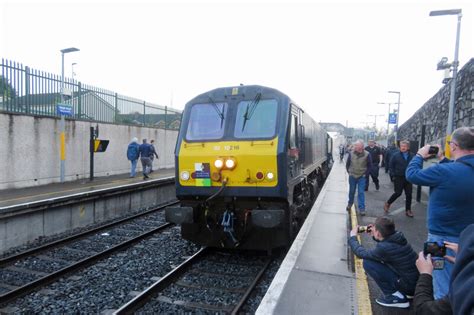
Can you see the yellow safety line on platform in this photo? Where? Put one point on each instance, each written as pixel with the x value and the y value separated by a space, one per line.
pixel 363 296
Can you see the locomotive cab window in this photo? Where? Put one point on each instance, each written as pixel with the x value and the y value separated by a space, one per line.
pixel 206 121
pixel 256 119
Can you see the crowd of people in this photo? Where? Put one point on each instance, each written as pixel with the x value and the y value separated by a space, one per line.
pixel 440 279
pixel 146 152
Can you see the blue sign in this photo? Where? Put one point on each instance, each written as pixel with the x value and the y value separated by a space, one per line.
pixel 392 118
pixel 64 110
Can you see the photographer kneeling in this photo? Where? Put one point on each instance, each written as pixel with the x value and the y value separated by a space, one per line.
pixel 391 263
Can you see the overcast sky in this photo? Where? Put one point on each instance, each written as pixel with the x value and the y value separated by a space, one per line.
pixel 336 59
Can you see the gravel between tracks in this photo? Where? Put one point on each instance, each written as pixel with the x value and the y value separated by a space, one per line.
pixel 111 282
pixel 48 239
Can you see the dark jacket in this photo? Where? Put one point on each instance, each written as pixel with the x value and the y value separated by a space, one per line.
pixel 396 253
pixel 461 293
pixel 153 152
pixel 424 302
pixel 145 150
pixel 388 154
pixel 132 151
pixel 398 164
pixel 450 208
pixel 375 153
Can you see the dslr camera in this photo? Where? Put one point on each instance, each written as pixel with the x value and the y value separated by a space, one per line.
pixel 364 228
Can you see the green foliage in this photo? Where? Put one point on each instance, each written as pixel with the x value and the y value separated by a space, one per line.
pixel 6 89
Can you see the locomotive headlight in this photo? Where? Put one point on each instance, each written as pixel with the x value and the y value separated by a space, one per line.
pixel 230 163
pixel 270 176
pixel 219 163
pixel 184 175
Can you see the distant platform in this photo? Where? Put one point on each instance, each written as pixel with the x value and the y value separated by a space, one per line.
pixel 13 197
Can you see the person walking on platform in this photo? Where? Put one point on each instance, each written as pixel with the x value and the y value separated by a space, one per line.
pixel 391 263
pixel 357 165
pixel 451 200
pixel 153 154
pixel 145 152
pixel 375 155
pixel 132 155
pixel 398 166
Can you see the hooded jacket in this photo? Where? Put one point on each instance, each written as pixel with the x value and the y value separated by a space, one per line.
pixel 461 293
pixel 132 150
pixel 395 252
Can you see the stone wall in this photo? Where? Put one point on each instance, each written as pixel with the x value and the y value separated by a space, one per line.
pixel 29 149
pixel 434 113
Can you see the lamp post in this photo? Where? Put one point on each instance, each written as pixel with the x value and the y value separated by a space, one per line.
pixel 62 135
pixel 72 70
pixel 398 114
pixel 449 128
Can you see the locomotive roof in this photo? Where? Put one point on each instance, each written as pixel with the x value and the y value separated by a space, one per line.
pixel 239 91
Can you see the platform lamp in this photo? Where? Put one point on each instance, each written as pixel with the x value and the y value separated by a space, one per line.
pixel 62 136
pixel 442 65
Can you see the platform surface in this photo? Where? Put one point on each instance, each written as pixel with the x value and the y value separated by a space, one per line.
pixel 10 197
pixel 315 277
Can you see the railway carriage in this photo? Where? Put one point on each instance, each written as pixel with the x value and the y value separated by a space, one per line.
pixel 249 163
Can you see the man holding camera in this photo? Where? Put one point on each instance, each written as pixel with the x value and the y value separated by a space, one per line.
pixel 451 201
pixel 391 263
pixel 460 299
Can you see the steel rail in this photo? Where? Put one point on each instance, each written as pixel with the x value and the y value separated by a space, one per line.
pixel 6 260
pixel 159 285
pixel 252 286
pixel 141 299
pixel 80 264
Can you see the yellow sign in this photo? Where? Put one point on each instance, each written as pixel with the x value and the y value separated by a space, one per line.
pixel 235 91
pixel 100 145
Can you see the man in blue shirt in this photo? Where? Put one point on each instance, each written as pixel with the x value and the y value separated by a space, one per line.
pixel 451 202
pixel 398 165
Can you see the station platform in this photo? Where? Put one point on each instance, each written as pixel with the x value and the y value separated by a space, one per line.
pixel 319 274
pixel 12 197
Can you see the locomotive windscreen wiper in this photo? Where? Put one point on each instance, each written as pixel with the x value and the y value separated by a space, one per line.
pixel 251 109
pixel 220 113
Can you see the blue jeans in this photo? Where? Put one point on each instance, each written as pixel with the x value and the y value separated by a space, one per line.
pixel 441 278
pixel 360 184
pixel 385 277
pixel 133 170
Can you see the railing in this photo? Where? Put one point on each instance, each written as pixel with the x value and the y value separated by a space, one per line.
pixel 34 92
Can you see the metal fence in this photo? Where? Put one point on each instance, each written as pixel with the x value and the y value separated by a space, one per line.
pixel 30 91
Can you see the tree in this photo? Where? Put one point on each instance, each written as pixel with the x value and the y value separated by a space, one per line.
pixel 6 89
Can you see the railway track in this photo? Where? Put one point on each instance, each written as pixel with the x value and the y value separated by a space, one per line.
pixel 26 271
pixel 207 282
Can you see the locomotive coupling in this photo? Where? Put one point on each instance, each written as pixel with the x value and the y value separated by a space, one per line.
pixel 179 215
